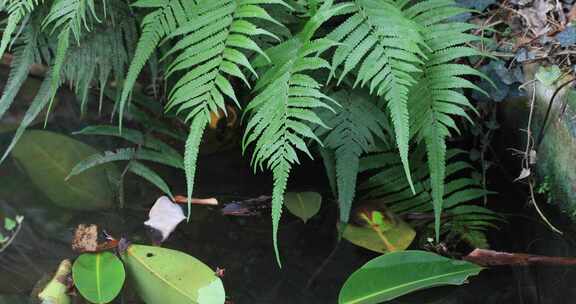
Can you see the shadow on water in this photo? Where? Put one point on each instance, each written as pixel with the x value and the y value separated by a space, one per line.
pixel 243 245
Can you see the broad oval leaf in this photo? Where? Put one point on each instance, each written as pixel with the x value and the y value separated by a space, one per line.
pixel 99 277
pixel 88 191
pixel 398 273
pixel 163 275
pixel 303 205
pixel 393 234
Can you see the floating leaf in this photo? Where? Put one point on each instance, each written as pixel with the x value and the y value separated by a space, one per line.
pixel 304 205
pixel 48 170
pixel 548 75
pixel 99 277
pixel 382 231
pixel 55 290
pixel 163 275
pixel 398 273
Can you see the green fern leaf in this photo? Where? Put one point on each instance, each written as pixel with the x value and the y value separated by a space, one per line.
pixel 383 44
pixel 39 102
pixel 435 98
pixel 124 154
pixel 155 26
pixel 17 11
pixel 281 113
pixel 352 131
pixel 24 57
pixel 191 154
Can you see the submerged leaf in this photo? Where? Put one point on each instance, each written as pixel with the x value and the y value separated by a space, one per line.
pixel 303 205
pixel 48 170
pixel 395 274
pixel 163 275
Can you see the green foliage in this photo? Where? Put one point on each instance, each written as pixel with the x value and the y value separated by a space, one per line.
pixel 462 220
pixel 352 130
pixel 399 67
pixel 99 277
pixel 48 170
pixel 280 114
pixel 399 273
pixel 163 275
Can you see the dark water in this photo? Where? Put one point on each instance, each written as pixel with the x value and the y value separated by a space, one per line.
pixel 243 245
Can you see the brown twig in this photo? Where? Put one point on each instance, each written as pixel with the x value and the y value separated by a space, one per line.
pixel 484 257
pixel 181 199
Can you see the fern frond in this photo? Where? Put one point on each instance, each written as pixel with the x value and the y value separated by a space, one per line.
pixel 463 218
pixel 17 12
pixel 131 135
pixel 39 102
pixel 384 46
pixel 24 56
pixel 68 17
pixel 281 113
pixel 124 154
pixel 191 150
pixel 436 97
pixel 352 131
pixel 166 17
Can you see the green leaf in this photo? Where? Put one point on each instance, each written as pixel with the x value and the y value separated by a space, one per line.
pixel 9 224
pixel 48 170
pixel 395 274
pixel 548 75
pixel 163 275
pixel 389 233
pixel 303 205
pixel 99 277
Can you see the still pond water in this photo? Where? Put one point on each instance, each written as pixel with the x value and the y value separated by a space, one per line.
pixel 242 245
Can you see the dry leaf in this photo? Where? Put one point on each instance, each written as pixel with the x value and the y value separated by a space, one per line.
pixel 523 174
pixel 85 238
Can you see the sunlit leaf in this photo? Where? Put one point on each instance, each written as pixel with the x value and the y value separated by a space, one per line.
pixel 398 273
pixel 163 275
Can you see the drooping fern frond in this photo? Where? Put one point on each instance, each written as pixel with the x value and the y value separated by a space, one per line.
pixel 24 56
pixel 39 102
pixel 383 46
pixel 353 129
pixel 165 18
pixel 210 38
pixel 461 217
pixel 437 97
pixel 68 18
pixel 281 113
pixel 17 11
pixel 81 65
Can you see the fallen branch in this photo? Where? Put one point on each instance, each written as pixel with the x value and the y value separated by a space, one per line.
pixel 484 257
pixel 181 199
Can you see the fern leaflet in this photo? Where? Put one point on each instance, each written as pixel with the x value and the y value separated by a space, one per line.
pixel 352 131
